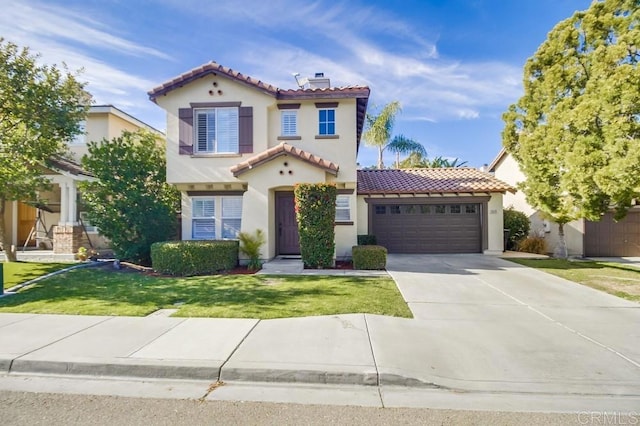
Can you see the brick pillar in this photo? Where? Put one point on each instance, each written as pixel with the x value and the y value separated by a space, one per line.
pixel 67 239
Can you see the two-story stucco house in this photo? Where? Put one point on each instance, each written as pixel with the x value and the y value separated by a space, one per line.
pixel 56 221
pixel 583 237
pixel 237 146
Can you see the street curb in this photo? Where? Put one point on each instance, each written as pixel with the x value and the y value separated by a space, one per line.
pixel 199 370
pixel 147 369
pixel 299 376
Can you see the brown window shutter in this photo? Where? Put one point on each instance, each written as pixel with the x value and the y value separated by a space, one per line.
pixel 185 130
pixel 246 130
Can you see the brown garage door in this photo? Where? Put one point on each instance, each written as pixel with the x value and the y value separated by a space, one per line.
pixel 427 228
pixel 610 238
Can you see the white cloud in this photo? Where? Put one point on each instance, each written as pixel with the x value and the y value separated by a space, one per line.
pixel 346 46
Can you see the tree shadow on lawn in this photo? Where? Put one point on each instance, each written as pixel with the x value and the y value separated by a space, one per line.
pixel 20 272
pixel 105 292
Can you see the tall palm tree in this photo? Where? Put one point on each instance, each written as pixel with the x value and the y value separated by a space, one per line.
pixel 378 134
pixel 405 146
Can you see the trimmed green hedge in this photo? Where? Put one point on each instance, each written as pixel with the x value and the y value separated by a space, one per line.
pixel 194 257
pixel 316 214
pixel 369 257
pixel 367 240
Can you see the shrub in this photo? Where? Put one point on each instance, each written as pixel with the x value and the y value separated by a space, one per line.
pixel 518 225
pixel 194 257
pixel 369 257
pixel 130 200
pixel 367 240
pixel 315 213
pixel 533 245
pixel 250 247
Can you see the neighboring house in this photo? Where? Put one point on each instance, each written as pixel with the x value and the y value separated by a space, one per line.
pixel 56 220
pixel 584 238
pixel 236 147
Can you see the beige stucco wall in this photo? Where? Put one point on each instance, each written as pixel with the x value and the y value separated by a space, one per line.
pixel 103 125
pixel 258 202
pixel 508 170
pixel 495 225
pixel 196 172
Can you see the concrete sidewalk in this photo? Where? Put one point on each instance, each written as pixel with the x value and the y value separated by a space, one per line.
pixel 356 349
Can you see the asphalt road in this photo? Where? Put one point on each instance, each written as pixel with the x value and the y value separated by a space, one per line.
pixel 25 408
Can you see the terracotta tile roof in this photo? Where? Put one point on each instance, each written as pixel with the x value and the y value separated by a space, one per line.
pixel 215 68
pixel 283 149
pixel 206 69
pixel 66 165
pixel 429 181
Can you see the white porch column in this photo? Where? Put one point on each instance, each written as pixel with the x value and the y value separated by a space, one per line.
pixel 73 205
pixel 64 204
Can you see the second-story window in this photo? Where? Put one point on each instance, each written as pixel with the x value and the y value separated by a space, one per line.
pixel 289 123
pixel 327 122
pixel 216 130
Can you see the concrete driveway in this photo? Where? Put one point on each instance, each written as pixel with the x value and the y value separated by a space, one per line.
pixel 489 324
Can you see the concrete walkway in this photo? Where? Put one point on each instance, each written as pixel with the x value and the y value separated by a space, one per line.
pixel 481 324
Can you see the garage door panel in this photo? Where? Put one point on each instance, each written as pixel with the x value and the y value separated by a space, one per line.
pixel 420 228
pixel 610 238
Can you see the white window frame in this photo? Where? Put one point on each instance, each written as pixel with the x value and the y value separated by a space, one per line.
pixel 233 216
pixel 327 122
pixel 195 218
pixel 342 199
pixel 218 217
pixel 213 146
pixel 80 138
pixel 289 123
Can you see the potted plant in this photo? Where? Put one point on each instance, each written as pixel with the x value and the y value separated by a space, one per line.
pixel 82 254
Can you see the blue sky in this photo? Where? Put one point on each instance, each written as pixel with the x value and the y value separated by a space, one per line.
pixel 455 65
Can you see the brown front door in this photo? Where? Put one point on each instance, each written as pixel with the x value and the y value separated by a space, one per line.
pixel 26 220
pixel 288 240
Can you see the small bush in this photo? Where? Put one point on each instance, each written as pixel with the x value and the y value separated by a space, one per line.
pixel 367 240
pixel 194 257
pixel 518 225
pixel 533 245
pixel 250 247
pixel 369 257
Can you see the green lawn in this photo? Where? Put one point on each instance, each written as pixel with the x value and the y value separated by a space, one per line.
pixel 18 272
pixel 103 291
pixel 619 280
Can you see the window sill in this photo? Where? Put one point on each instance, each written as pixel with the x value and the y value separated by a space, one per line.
pixel 343 223
pixel 213 155
pixel 327 136
pixel 289 138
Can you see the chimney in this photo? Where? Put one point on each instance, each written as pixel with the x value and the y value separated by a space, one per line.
pixel 319 81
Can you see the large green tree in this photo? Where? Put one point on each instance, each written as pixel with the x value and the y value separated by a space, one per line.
pixel 576 131
pixel 130 200
pixel 378 133
pixel 40 110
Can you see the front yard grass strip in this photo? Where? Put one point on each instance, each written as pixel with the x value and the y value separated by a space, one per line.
pixel 614 278
pixel 103 291
pixel 19 272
